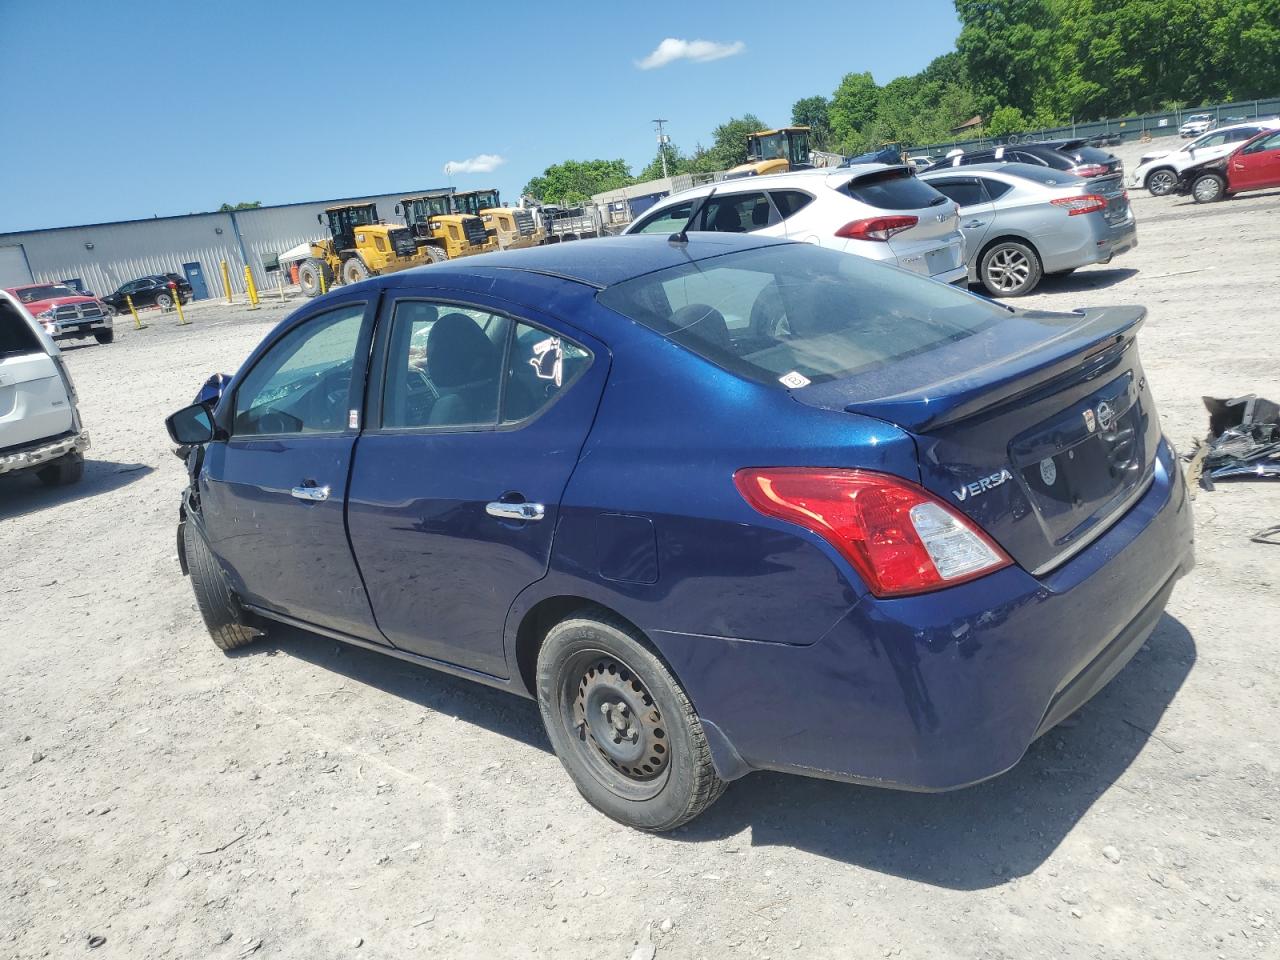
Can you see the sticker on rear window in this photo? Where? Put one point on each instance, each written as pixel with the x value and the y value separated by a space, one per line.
pixel 548 360
pixel 795 380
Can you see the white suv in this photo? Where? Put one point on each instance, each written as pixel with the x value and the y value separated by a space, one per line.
pixel 874 210
pixel 40 426
pixel 1159 170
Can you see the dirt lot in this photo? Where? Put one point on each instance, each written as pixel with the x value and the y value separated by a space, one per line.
pixel 308 800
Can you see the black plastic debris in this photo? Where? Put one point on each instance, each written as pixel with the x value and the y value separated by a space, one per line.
pixel 1243 441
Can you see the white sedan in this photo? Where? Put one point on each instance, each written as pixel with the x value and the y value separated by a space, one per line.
pixel 877 211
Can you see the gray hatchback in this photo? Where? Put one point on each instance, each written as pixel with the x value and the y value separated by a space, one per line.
pixel 1021 222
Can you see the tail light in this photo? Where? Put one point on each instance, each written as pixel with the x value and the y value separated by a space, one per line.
pixel 899 537
pixel 1089 203
pixel 1089 169
pixel 877 228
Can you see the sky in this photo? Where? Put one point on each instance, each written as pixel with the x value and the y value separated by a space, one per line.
pixel 135 108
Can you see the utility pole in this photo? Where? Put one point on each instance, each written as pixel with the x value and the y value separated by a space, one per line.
pixel 663 140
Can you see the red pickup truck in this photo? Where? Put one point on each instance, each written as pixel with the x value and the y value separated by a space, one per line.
pixel 64 313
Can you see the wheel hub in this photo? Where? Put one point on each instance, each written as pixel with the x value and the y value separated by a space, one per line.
pixel 616 714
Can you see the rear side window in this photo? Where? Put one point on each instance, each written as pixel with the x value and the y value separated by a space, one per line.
pixel 996 188
pixel 541 366
pixel 790 202
pixel 669 220
pixel 16 336
pixel 1239 134
pixel 737 213
pixel 893 189
pixel 964 192
pixel 774 313
pixel 1017 156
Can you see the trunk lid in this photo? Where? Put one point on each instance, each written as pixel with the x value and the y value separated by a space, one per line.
pixel 1040 428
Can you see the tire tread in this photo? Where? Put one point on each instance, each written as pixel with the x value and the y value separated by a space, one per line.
pixel 217 606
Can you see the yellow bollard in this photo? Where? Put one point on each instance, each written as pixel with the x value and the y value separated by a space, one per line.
pixel 177 302
pixel 226 281
pixel 250 289
pixel 324 288
pixel 137 321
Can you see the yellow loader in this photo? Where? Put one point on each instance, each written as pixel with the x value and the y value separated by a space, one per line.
pixel 513 227
pixel 359 246
pixel 775 151
pixel 442 233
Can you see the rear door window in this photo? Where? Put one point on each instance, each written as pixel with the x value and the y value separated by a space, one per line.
pixel 738 213
pixel 964 191
pixel 16 336
pixel 893 189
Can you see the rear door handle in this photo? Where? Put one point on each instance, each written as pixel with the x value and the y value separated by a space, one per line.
pixel 313 493
pixel 515 511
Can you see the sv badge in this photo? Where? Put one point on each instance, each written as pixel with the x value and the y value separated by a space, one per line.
pixel 984 485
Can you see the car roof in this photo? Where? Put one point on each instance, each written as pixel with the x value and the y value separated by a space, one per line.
pixel 600 262
pixel 1026 172
pixel 793 178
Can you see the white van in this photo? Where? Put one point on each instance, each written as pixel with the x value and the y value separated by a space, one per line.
pixel 40 426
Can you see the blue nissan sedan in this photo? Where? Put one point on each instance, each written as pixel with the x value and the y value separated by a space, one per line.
pixel 718 505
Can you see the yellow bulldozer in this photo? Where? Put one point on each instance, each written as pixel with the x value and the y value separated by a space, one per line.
pixel 512 227
pixel 775 151
pixel 440 231
pixel 359 246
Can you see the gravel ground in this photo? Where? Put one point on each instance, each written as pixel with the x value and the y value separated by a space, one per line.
pixel 304 799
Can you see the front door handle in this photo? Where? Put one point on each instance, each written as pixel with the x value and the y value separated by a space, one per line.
pixel 515 511
pixel 313 493
pixel 973 223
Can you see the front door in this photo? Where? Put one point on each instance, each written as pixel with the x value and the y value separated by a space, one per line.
pixel 474 426
pixel 272 493
pixel 195 277
pixel 1257 165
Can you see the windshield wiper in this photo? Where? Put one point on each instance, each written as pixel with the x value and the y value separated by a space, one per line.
pixel 681 235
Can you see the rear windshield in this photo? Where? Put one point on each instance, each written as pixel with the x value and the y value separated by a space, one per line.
pixel 1046 175
pixel 16 336
pixel 894 189
pixel 1091 155
pixel 775 312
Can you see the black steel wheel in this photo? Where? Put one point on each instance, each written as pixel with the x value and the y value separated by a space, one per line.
pixel 622 725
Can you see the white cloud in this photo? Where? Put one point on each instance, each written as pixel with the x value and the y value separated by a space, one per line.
pixel 480 163
pixel 699 51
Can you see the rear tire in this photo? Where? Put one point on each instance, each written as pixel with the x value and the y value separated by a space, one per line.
pixel 1208 188
pixel 1010 269
pixel 622 726
pixel 104 336
pixel 164 301
pixel 354 270
pixel 436 255
pixel 1160 183
pixel 67 469
pixel 221 613
pixel 309 274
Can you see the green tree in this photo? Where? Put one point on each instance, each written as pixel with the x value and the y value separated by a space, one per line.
pixel 248 205
pixel 814 113
pixel 729 146
pixel 853 108
pixel 676 163
pixel 575 181
pixel 1004 121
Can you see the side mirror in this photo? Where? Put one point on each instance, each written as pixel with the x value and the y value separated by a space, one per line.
pixel 191 425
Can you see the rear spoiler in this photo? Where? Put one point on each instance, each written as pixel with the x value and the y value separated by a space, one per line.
pixel 1101 330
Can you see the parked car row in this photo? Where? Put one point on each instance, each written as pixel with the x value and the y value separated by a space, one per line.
pixel 1253 165
pixel 1014 216
pixel 1160 170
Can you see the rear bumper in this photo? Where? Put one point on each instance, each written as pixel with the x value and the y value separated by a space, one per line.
pixel 42 452
pixel 946 689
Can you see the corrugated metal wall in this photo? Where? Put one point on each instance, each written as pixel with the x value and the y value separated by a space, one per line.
pixel 103 256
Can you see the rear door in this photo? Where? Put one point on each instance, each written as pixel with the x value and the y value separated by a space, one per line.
pixel 1256 165
pixel 476 420
pixel 977 212
pixel 272 493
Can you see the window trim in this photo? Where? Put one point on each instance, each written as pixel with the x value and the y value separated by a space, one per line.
pixel 783 219
pixel 380 358
pixel 762 191
pixel 225 414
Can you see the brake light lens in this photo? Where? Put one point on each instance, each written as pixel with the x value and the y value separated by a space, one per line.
pixel 1089 169
pixel 899 537
pixel 877 228
pixel 1089 203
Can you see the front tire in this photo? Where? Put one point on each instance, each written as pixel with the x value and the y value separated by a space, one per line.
pixel 1208 188
pixel 622 726
pixel 436 254
pixel 309 274
pixel 1010 269
pixel 104 336
pixel 354 270
pixel 1160 183
pixel 221 613
pixel 67 469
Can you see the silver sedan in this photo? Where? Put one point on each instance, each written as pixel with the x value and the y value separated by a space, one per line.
pixel 1021 222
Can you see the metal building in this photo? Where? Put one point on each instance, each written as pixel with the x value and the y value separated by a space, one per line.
pixel 102 256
